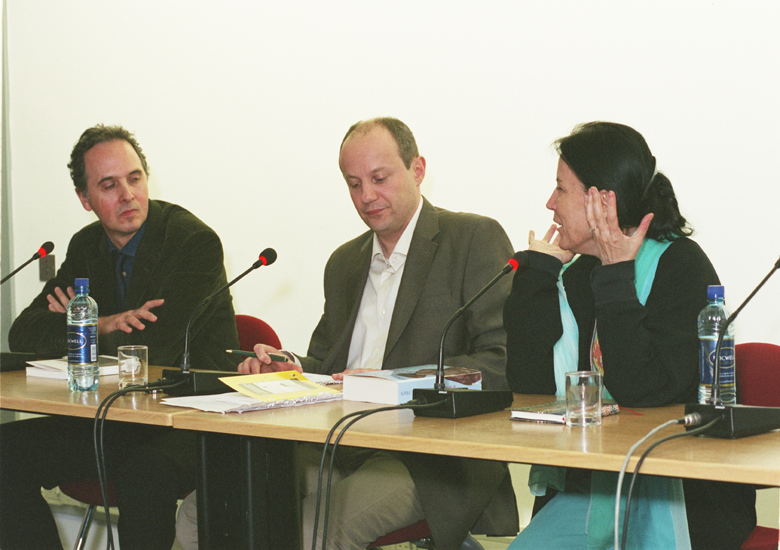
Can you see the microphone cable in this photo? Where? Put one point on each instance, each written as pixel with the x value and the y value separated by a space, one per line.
pixel 693 419
pixel 97 437
pixel 413 404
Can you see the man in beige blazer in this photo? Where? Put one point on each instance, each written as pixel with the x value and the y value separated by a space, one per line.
pixel 388 295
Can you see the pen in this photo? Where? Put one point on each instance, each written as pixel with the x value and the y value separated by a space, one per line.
pixel 273 356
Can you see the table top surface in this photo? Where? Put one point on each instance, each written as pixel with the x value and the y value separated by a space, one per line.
pixel 18 392
pixel 492 436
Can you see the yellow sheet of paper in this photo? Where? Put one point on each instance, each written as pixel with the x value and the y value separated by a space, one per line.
pixel 276 386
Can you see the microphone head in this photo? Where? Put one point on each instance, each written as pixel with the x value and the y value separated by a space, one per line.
pixel 267 257
pixel 45 249
pixel 520 258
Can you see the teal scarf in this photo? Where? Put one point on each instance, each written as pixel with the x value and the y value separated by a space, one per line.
pixel 658 508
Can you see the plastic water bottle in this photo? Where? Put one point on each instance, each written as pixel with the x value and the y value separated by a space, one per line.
pixel 82 319
pixel 711 320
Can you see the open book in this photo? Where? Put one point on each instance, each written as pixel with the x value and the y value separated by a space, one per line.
pixel 58 368
pixel 263 391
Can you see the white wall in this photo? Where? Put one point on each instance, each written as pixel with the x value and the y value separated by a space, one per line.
pixel 241 105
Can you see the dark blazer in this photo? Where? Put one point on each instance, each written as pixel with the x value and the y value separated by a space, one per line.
pixel 179 259
pixel 451 257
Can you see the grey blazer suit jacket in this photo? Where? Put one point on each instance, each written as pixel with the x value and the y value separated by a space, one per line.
pixel 451 257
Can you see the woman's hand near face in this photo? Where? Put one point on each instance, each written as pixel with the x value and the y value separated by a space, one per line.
pixel 613 245
pixel 549 245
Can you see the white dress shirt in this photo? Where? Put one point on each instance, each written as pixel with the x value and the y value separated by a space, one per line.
pixel 372 325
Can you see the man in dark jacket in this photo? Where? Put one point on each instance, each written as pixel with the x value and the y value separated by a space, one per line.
pixel 149 264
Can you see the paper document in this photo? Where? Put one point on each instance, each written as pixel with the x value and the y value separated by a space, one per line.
pixel 260 391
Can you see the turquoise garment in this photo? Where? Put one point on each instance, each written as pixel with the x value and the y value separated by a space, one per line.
pixel 565 353
pixel 658 519
pixel 578 510
pixel 658 508
pixel 566 349
pixel 569 516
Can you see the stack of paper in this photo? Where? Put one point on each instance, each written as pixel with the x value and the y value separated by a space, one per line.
pixel 262 391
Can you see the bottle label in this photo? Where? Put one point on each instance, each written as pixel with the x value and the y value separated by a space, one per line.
pixel 707 361
pixel 82 344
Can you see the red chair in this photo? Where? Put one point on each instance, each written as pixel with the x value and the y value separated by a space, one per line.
pixel 758 384
pixel 88 492
pixel 762 538
pixel 251 331
pixel 420 535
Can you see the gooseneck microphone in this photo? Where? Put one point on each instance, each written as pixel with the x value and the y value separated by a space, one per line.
pixel 715 398
pixel 45 249
pixel 267 257
pixel 520 258
pixel 735 420
pixel 205 382
pixel 458 403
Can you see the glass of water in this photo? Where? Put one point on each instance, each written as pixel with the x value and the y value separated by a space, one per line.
pixel 583 398
pixel 133 365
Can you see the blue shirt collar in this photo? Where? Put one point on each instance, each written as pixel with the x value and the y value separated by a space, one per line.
pixel 132 245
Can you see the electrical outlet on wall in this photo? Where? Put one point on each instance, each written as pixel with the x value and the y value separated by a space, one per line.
pixel 46 267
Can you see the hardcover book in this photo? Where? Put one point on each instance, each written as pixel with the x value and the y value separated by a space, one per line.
pixel 395 386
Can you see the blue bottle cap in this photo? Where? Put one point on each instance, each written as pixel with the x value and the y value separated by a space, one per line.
pixel 715 291
pixel 82 282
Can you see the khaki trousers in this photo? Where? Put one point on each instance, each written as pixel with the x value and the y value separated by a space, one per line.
pixel 372 494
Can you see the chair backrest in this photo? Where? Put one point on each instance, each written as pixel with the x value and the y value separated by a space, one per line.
pixel 252 330
pixel 758 374
pixel 88 491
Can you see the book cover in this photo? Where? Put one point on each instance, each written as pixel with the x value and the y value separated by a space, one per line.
pixel 555 411
pixel 58 368
pixel 395 386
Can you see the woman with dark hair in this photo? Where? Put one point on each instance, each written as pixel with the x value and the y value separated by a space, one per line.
pixel 616 285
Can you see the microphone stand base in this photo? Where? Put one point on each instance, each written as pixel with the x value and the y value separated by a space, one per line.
pixel 735 420
pixel 197 382
pixel 460 403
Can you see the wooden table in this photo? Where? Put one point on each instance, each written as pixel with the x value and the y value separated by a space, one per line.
pixel 235 466
pixel 272 434
pixel 19 392
pixel 245 458
pixel 493 436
